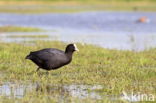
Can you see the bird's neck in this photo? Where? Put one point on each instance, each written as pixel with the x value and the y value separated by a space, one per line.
pixel 69 54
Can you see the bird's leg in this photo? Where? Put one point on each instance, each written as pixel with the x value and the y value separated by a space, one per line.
pixel 47 72
pixel 38 69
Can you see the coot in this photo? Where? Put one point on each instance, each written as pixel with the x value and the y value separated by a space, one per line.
pixel 52 58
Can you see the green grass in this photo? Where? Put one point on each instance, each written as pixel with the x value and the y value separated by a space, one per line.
pixel 28 36
pixel 42 6
pixel 115 70
pixel 75 0
pixel 18 29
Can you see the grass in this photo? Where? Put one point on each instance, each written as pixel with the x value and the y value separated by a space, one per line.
pixel 41 6
pixel 18 29
pixel 28 36
pixel 115 70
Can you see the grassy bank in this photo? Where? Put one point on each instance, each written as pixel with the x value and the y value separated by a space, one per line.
pixel 19 29
pixel 75 6
pixel 28 36
pixel 116 71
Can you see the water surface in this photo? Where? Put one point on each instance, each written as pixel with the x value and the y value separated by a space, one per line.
pixel 113 30
pixel 80 91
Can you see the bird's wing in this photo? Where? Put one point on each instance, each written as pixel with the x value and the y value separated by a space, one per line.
pixel 49 54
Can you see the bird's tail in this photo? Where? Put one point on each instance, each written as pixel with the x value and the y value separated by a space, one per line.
pixel 28 56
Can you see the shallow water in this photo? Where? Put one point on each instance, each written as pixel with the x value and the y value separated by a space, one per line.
pixel 113 30
pixel 109 40
pixel 95 21
pixel 15 90
pixel 80 91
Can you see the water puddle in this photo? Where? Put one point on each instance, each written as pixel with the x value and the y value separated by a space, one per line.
pixel 15 90
pixel 81 91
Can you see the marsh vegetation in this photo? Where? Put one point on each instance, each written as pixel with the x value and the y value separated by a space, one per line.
pixel 96 74
pixel 61 6
pixel 116 71
pixel 28 36
pixel 18 29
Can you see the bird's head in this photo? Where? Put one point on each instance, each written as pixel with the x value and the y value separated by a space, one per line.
pixel 71 48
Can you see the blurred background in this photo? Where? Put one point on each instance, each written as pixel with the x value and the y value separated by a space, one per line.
pixel 113 24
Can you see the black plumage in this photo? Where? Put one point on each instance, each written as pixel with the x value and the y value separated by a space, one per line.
pixel 51 58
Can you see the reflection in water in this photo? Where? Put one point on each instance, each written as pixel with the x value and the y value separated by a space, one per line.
pixel 13 90
pixel 9 89
pixel 81 91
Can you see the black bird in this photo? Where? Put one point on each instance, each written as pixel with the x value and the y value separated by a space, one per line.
pixel 51 58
